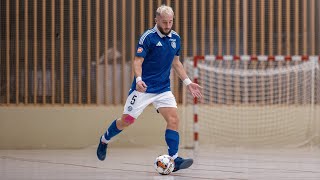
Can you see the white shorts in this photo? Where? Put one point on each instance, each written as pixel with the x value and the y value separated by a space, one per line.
pixel 137 101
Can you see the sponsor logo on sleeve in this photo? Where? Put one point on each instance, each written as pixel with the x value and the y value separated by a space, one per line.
pixel 139 50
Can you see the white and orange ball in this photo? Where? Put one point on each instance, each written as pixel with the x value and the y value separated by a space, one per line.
pixel 164 164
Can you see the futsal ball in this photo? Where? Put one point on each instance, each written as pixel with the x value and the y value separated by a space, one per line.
pixel 164 164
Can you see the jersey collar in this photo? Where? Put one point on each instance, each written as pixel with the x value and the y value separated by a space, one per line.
pixel 160 34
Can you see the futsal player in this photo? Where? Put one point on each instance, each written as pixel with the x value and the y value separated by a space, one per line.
pixel 157 51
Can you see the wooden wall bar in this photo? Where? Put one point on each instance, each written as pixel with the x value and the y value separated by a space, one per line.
pixel 194 27
pixel 312 27
pixel 88 51
pixel 133 32
pixel 115 45
pixel 296 27
pixel 151 16
pixel 271 27
pixel 211 26
pixel 185 30
pixel 106 47
pixel 288 29
pixel 168 2
pixel 220 27
pixel 262 27
pixel 53 55
pixel 97 46
pixel 124 90
pixel 142 16
pixel 245 27
pixel 203 26
pixel 228 25
pixel 237 26
pixel 279 30
pixel 305 28
pixel 253 27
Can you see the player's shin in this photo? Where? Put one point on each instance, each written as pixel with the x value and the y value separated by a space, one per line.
pixel 172 139
pixel 111 132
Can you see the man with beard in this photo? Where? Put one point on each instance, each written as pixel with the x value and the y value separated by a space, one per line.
pixel 157 51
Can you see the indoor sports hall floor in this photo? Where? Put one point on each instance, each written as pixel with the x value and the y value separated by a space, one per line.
pixel 137 163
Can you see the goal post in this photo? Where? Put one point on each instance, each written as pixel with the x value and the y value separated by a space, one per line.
pixel 253 101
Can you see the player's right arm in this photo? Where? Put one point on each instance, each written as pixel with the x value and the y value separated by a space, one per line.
pixel 137 68
pixel 142 50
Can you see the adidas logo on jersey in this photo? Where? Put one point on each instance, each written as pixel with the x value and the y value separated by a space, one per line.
pixel 159 44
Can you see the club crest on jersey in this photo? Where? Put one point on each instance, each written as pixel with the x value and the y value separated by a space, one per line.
pixel 173 44
pixel 139 50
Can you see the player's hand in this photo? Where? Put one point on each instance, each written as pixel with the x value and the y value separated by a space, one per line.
pixel 141 86
pixel 195 90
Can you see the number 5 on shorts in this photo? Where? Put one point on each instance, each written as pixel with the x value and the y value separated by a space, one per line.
pixel 133 100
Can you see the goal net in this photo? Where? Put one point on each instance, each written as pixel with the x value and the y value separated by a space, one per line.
pixel 253 102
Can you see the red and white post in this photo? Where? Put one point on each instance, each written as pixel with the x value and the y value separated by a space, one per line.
pixel 195 103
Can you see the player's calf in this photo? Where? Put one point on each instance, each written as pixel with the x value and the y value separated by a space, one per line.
pixel 112 131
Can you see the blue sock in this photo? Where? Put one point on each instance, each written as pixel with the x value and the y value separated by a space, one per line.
pixel 112 131
pixel 172 139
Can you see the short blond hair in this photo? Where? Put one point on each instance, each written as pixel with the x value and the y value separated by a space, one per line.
pixel 164 10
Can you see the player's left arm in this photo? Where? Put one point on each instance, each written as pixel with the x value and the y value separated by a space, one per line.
pixel 194 88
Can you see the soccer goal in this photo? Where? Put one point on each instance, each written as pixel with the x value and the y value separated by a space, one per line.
pixel 253 101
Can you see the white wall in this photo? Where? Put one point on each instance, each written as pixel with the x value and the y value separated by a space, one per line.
pixel 56 127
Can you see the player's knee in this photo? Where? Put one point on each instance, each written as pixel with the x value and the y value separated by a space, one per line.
pixel 173 122
pixel 128 120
